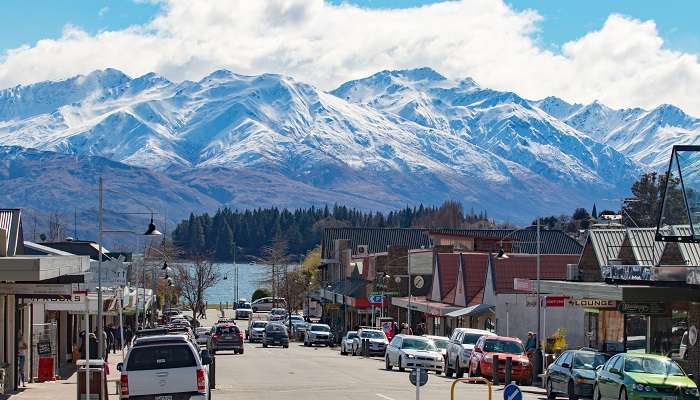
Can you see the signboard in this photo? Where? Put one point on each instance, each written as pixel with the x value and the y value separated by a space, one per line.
pixel 594 303
pixel 642 308
pixel 413 376
pixel 114 273
pixel 43 347
pixel 523 285
pixel 385 293
pixel 332 307
pixel 512 392
pixel 375 298
pixel 627 272
pixel 555 301
pixel 37 290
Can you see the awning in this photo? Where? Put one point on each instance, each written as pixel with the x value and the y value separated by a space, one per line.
pixel 421 304
pixel 471 310
pixel 346 287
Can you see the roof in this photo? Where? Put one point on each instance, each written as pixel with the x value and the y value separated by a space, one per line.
pixel 646 250
pixel 606 243
pixel 378 239
pixel 690 251
pixel 31 248
pixel 552 266
pixel 79 247
pixel 11 223
pixel 448 269
pixel 552 241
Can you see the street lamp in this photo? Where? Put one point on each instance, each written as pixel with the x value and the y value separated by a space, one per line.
pixel 502 255
pixel 151 231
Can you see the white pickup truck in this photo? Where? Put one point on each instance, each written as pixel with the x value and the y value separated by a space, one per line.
pixel 165 367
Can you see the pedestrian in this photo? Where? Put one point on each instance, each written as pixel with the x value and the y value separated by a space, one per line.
pixel 531 343
pixel 21 359
pixel 109 331
pixel 395 329
pixel 419 330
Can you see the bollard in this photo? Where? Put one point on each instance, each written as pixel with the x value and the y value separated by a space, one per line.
pixel 366 347
pixel 212 373
pixel 495 370
pixel 509 370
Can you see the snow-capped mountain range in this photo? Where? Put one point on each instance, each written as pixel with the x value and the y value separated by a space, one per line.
pixel 391 139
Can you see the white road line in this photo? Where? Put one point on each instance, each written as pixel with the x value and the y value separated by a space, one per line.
pixel 384 397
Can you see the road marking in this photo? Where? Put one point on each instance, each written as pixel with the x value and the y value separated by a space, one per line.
pixel 384 397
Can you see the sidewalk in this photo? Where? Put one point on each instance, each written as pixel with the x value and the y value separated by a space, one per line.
pixel 66 387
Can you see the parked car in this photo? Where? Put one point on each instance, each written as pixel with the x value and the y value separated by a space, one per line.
pixel 255 331
pixel 318 334
pixel 573 373
pixel 459 350
pixel 266 304
pixel 275 334
pixel 299 326
pixel 202 334
pixel 277 314
pixel 441 343
pixel 642 376
pixel 165 368
pixel 377 341
pixel 408 351
pixel 243 311
pixel 346 343
pixel 225 336
pixel 481 361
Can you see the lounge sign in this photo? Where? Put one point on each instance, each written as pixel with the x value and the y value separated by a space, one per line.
pixel 594 303
pixel 642 308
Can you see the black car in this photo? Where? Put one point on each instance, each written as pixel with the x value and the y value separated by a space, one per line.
pixel 275 334
pixel 573 373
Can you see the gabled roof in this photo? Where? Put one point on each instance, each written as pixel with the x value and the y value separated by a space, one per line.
pixel 552 267
pixel 606 243
pixel 474 267
pixel 646 250
pixel 449 268
pixel 378 239
pixel 689 251
pixel 11 223
pixel 552 241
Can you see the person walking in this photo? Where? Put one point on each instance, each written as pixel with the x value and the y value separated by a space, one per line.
pixel 531 343
pixel 21 360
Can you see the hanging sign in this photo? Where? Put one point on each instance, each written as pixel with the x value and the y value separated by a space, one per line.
pixel 555 301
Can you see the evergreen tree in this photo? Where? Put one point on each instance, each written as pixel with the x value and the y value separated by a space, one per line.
pixel 594 212
pixel 224 242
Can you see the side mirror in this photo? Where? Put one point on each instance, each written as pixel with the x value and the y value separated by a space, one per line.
pixel 206 357
pixel 691 376
pixel 614 371
pixel 598 368
pixel 566 366
pixel 121 365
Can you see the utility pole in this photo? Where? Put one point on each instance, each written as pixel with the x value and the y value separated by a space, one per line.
pixel 100 306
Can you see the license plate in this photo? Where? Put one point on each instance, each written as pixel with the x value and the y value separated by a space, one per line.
pixel 164 397
pixel 227 337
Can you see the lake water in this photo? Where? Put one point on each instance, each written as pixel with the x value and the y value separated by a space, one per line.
pixel 249 276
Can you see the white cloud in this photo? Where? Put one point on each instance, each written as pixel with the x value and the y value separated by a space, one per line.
pixel 624 64
pixel 103 11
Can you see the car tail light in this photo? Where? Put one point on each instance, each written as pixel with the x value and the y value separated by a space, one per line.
pixel 216 335
pixel 201 382
pixel 125 385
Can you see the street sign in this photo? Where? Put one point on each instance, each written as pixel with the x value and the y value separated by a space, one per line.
pixel 423 376
pixel 375 298
pixel 642 308
pixel 512 392
pixel 386 293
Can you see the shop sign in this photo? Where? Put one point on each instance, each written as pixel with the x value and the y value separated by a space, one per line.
pixel 385 293
pixel 332 307
pixel 555 301
pixel 627 272
pixel 594 303
pixel 523 285
pixel 43 347
pixel 642 308
pixel 37 290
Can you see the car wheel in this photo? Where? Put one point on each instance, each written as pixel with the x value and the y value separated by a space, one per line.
pixel 240 351
pixel 571 392
pixel 401 368
pixel 388 366
pixel 623 394
pixel 448 370
pixel 285 346
pixel 265 345
pixel 596 393
pixel 550 390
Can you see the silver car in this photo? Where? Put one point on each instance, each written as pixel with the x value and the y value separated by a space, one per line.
pixel 317 334
pixel 256 331
pixel 408 351
pixel 202 334
pixel 377 341
pixel 459 350
pixel 346 343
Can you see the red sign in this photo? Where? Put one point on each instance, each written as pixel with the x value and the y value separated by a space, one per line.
pixel 555 301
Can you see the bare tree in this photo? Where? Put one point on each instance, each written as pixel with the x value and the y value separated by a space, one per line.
pixel 57 229
pixel 193 282
pixel 273 262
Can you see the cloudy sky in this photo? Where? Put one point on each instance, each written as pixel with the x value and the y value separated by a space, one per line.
pixel 626 53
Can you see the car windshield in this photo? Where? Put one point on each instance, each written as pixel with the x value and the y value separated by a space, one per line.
pixel 418 344
pixel 503 346
pixel 320 328
pixel 587 360
pixel 652 366
pixel 441 343
pixel 275 328
pixel 226 329
pixel 244 305
pixel 297 318
pixel 471 338
pixel 259 324
pixel 373 335
pixel 352 335
pixel 201 331
pixel 160 357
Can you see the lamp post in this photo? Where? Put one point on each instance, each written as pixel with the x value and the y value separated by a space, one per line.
pixel 151 231
pixel 502 255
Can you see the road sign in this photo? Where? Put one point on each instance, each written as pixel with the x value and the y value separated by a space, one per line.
pixel 512 392
pixel 423 376
pixel 375 298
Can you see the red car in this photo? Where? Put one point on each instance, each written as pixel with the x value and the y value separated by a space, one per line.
pixel 481 360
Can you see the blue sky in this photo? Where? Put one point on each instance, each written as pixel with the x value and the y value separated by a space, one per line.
pixel 563 20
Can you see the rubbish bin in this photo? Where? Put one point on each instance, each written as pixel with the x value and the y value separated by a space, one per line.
pixel 98 380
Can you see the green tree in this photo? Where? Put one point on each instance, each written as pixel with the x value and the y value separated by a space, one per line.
pixel 260 293
pixel 224 242
pixel 644 206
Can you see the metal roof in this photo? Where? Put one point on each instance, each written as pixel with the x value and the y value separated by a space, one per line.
pixel 552 241
pixel 690 251
pixel 11 222
pixel 646 250
pixel 606 243
pixel 378 239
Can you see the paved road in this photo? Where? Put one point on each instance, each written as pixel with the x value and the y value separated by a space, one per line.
pixel 300 373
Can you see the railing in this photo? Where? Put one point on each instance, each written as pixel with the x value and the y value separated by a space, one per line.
pixel 475 380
